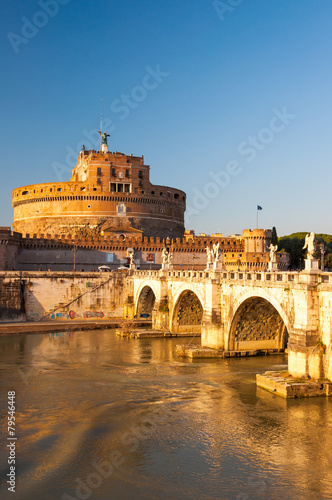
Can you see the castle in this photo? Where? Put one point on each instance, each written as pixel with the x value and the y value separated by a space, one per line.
pixel 108 210
pixel 108 193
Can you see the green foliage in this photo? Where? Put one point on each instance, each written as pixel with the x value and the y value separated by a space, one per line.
pixel 328 261
pixel 164 305
pixel 293 244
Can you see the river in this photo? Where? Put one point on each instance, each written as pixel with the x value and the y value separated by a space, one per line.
pixel 107 418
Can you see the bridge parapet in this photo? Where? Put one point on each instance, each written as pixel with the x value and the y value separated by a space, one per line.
pixel 233 276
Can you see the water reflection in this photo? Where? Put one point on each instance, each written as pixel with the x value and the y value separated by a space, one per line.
pixel 170 428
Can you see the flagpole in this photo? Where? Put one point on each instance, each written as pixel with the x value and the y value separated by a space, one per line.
pixel 256 216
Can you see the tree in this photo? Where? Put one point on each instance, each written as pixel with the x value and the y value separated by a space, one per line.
pixel 274 238
pixel 293 244
pixel 328 261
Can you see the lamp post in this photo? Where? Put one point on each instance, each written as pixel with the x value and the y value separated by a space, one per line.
pixel 322 251
pixel 74 250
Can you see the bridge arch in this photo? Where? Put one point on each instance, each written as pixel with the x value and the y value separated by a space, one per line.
pixel 258 322
pixel 187 312
pixel 146 296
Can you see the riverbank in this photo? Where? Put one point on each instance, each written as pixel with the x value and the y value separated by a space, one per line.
pixel 27 327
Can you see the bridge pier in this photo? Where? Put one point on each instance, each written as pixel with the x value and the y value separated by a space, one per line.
pixel 305 354
pixel 160 319
pixel 212 335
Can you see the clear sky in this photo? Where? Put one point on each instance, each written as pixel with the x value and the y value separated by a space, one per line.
pixel 228 100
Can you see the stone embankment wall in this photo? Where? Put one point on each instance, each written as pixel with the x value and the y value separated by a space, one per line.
pixel 11 298
pixel 62 296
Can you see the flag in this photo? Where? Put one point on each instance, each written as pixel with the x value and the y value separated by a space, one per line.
pixel 259 207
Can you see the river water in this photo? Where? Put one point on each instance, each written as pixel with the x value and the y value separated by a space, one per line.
pixel 106 418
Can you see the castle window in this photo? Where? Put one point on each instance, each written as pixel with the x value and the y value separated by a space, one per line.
pixel 99 171
pixel 82 188
pixel 152 192
pixel 127 172
pixel 113 186
pixel 176 196
pixel 140 184
pixel 161 194
pixel 94 189
pixel 25 192
pixel 89 206
pixel 50 190
pixel 113 172
pixel 140 174
pixel 127 188
pixel 168 194
pixel 59 189
pixel 41 190
pixel 98 181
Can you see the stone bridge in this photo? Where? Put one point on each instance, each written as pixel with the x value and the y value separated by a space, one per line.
pixel 245 311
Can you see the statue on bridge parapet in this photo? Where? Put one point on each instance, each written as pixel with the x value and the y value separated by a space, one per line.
pixel 273 249
pixel 216 251
pixel 309 243
pixel 166 257
pixel 209 254
pixel 311 264
pixel 131 254
pixel 273 265
pixel 213 258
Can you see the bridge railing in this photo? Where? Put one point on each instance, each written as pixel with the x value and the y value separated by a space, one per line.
pixel 255 276
pixel 276 276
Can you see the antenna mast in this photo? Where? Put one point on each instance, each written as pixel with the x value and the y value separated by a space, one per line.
pixel 101 123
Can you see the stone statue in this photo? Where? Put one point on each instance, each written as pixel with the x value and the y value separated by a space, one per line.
pixel 103 136
pixel 310 245
pixel 164 255
pixel 216 251
pixel 209 253
pixel 169 258
pixel 273 249
pixel 131 257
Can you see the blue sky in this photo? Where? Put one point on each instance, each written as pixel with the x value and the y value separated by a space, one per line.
pixel 231 104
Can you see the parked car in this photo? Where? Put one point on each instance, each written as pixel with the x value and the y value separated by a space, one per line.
pixel 123 268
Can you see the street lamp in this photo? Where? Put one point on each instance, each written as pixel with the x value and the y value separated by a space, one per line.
pixel 322 251
pixel 74 250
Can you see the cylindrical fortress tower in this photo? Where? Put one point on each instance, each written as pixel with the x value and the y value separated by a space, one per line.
pixel 107 192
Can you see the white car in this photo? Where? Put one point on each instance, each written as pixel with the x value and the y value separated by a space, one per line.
pixel 123 268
